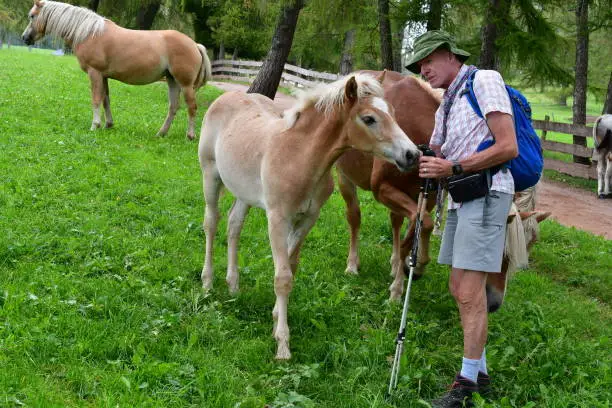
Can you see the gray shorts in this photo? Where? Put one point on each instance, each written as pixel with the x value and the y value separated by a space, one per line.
pixel 475 234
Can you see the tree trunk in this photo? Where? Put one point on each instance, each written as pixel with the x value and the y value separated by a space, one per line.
pixel 497 12
pixel 269 76
pixel 146 15
pixel 608 104
pixel 434 16
pixel 386 48
pixel 221 50
pixel 235 53
pixel 582 65
pixel 93 5
pixel 346 60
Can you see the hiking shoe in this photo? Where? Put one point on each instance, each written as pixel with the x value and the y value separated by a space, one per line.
pixel 484 384
pixel 459 396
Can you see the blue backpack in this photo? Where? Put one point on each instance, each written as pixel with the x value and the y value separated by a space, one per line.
pixel 526 168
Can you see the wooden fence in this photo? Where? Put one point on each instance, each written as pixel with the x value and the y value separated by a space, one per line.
pixel 296 76
pixel 247 70
pixel 573 169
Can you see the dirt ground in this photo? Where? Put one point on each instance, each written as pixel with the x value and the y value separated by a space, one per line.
pixel 569 206
pixel 576 207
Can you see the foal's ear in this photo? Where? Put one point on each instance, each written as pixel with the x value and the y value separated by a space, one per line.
pixel 381 77
pixel 38 3
pixel 350 90
pixel 542 215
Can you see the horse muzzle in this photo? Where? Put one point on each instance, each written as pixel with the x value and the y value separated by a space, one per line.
pixel 408 161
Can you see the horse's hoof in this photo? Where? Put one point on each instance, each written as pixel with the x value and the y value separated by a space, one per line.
pixel 94 126
pixel 601 196
pixel 351 270
pixel 232 287
pixel 109 125
pixel 207 284
pixel 605 196
pixel 283 353
pixel 395 297
pixel 190 136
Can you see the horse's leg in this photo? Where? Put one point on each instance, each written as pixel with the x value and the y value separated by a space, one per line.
pixel 601 172
pixel 192 107
pixel 397 271
pixel 174 91
pixel 278 231
pixel 402 205
pixel 97 95
pixel 353 216
pixel 496 287
pixel 608 160
pixel 234 226
pixel 212 187
pixel 107 109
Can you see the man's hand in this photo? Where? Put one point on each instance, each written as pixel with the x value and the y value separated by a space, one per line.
pixel 434 167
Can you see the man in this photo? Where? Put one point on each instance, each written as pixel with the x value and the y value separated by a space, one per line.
pixel 474 235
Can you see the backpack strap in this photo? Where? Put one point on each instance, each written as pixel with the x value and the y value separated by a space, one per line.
pixel 468 91
pixel 471 96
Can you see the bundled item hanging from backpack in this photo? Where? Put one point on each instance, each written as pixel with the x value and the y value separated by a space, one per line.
pixel 526 168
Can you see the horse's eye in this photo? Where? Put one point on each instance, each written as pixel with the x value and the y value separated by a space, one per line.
pixel 368 120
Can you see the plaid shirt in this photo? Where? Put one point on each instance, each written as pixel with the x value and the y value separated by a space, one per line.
pixel 465 130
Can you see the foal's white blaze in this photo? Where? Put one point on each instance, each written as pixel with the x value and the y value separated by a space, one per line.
pixel 380 104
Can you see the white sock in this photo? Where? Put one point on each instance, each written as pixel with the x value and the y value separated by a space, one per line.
pixel 483 362
pixel 469 369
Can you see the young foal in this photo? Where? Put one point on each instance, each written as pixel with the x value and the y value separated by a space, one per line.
pixel 602 140
pixel 136 57
pixel 283 166
pixel 415 104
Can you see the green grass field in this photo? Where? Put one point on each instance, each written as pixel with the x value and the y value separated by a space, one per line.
pixel 101 305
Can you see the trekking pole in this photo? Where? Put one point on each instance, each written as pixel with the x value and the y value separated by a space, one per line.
pixel 401 335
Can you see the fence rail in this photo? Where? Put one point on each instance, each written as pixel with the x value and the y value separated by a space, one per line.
pixel 573 169
pixel 297 76
pixel 247 70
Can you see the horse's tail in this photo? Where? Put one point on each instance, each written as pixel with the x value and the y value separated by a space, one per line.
pixel 205 73
pixel 515 250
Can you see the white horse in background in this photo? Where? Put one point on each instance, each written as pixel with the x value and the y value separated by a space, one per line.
pixel 602 140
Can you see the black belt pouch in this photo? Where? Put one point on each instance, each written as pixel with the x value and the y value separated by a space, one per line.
pixel 469 186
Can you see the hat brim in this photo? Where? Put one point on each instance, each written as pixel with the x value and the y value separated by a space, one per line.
pixel 413 62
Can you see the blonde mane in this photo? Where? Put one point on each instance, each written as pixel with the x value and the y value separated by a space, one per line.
pixel 73 24
pixel 436 93
pixel 326 97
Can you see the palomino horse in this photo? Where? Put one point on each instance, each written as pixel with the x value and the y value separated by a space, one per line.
pixel 283 165
pixel 105 50
pixel 415 104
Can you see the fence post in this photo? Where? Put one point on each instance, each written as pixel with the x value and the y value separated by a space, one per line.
pixel 545 130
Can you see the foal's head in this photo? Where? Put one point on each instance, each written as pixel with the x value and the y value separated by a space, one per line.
pixel 368 122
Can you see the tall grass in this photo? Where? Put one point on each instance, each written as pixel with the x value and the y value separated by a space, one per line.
pixel 101 305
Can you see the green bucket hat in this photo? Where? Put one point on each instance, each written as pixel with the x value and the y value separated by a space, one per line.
pixel 428 43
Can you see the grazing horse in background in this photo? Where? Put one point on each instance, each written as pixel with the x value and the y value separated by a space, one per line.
pixel 602 140
pixel 282 163
pixel 106 50
pixel 415 104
